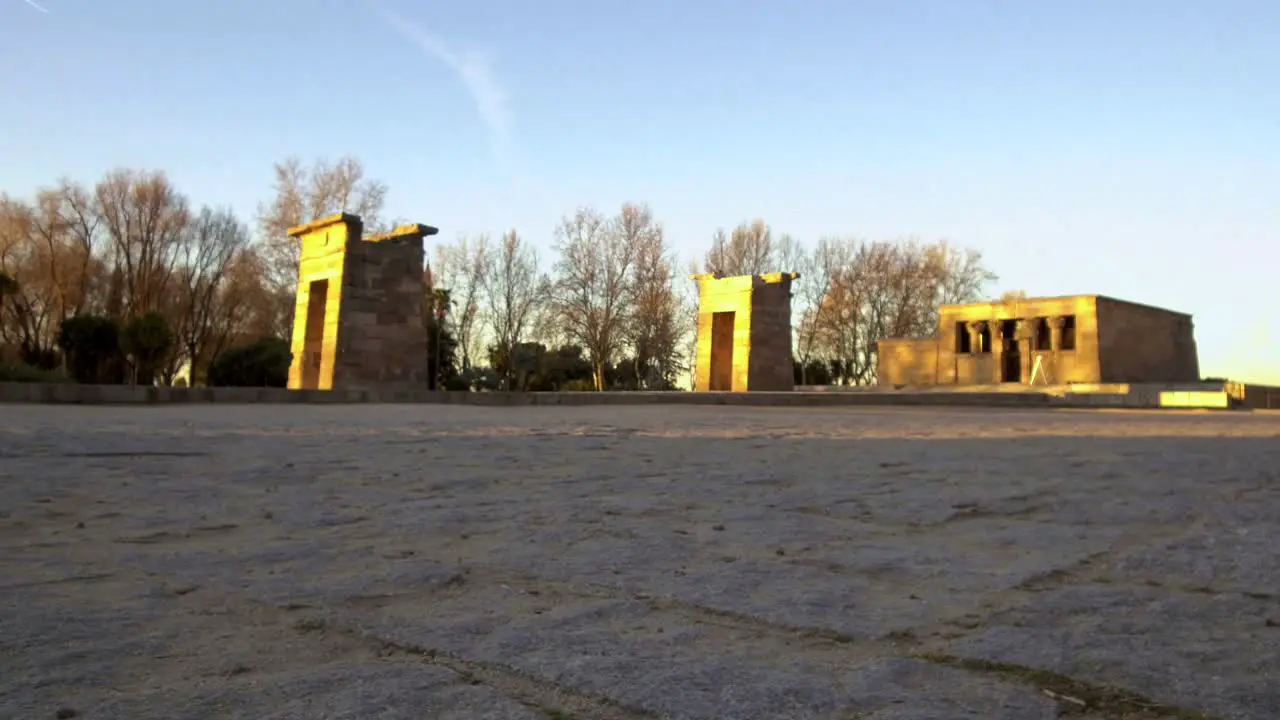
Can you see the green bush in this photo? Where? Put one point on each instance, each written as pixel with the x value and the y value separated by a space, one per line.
pixel 18 372
pixel 39 358
pixel 263 363
pixel 457 383
pixel 815 372
pixel 147 338
pixel 91 344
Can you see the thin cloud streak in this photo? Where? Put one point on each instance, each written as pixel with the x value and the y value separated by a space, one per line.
pixel 490 99
pixel 37 6
pixel 472 69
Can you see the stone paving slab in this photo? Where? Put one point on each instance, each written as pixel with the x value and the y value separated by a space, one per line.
pixel 1203 650
pixel 637 562
pixel 373 691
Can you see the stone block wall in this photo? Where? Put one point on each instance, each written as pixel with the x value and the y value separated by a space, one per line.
pixel 907 362
pixel 1140 343
pixel 761 337
pixel 385 340
pixel 770 366
pixel 1253 396
pixel 373 330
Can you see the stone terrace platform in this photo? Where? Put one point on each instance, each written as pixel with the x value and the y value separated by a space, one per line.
pixel 409 561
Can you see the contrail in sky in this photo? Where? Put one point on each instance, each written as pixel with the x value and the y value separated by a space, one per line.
pixel 472 69
pixel 37 6
pixel 487 93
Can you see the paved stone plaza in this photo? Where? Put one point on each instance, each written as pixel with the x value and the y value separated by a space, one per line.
pixel 637 562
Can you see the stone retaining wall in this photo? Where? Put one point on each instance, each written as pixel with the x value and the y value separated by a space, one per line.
pixel 126 395
pixel 70 393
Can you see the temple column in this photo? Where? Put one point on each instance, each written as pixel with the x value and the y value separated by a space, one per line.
pixel 997 351
pixel 974 328
pixel 1056 324
pixel 1025 330
pixel 965 372
pixel 1025 335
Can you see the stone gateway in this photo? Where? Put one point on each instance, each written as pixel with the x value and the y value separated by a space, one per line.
pixel 358 321
pixel 744 332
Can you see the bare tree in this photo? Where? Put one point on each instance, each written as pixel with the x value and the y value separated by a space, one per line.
pixel 244 304
pixel 791 254
pixel 145 220
pixel 212 243
pixel 65 225
pixel 127 247
pixel 837 321
pixel 28 315
pixel 658 312
pixel 689 317
pixel 961 276
pixel 593 278
pixel 817 270
pixel 304 194
pixel 951 275
pixel 49 248
pixel 462 268
pixel 880 290
pixel 748 250
pixel 511 290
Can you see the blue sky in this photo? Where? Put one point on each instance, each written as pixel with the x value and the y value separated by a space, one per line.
pixel 1122 147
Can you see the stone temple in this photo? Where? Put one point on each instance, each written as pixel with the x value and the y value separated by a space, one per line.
pixel 744 332
pixel 358 322
pixel 1053 340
